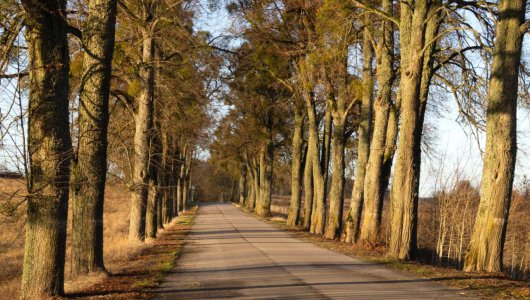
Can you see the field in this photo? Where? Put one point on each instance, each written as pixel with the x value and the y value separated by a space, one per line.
pixel 117 248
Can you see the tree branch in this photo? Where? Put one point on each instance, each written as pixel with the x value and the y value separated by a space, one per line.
pixel 376 11
pixel 14 75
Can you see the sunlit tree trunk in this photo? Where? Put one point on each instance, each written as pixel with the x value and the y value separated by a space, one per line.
pixel 263 207
pixel 89 166
pixel 155 172
pixel 485 252
pixel 144 125
pixel 254 176
pixel 415 34
pixel 297 170
pixel 363 142
pixel 242 184
pixel 375 184
pixel 336 197
pixel 318 214
pixel 186 192
pixel 49 150
pixel 308 190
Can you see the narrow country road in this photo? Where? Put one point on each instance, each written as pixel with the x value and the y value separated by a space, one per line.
pixel 229 254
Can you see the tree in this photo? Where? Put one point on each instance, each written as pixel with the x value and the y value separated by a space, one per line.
pixel 485 252
pixel 363 142
pixel 384 134
pixel 343 92
pixel 143 117
pixel 417 40
pixel 49 149
pixel 89 165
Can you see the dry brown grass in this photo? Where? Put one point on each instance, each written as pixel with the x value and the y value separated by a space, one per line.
pixel 117 248
pixel 12 221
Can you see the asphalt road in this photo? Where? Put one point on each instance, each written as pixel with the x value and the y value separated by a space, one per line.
pixel 232 255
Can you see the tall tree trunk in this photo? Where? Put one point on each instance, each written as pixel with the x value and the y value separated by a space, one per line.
pixel 363 143
pixel 254 175
pixel 297 166
pixel 175 175
pixel 252 194
pixel 308 190
pixel 263 208
pixel 375 184
pixel 89 167
pixel 152 209
pixel 318 214
pixel 242 184
pixel 190 180
pixel 155 170
pixel 49 150
pixel 186 184
pixel 167 182
pixel 142 134
pixel 160 207
pixel 180 186
pixel 326 144
pixel 336 198
pixel 184 191
pixel 415 34
pixel 485 252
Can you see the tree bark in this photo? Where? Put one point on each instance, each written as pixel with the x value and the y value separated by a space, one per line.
pixel 485 252
pixel 255 180
pixel 50 149
pixel 152 209
pixel 155 174
pixel 308 190
pixel 180 186
pixel 186 184
pixel 375 182
pixel 167 182
pixel 415 34
pixel 318 214
pixel 336 198
pixel 263 208
pixel 144 125
pixel 293 218
pixel 242 184
pixel 89 166
pixel 363 143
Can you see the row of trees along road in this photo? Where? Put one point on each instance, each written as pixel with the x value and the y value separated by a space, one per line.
pixel 315 85
pixel 115 87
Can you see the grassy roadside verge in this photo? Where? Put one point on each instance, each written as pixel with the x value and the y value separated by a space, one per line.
pixel 486 286
pixel 139 276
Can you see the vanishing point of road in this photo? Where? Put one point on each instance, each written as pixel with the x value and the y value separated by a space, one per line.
pixel 232 255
